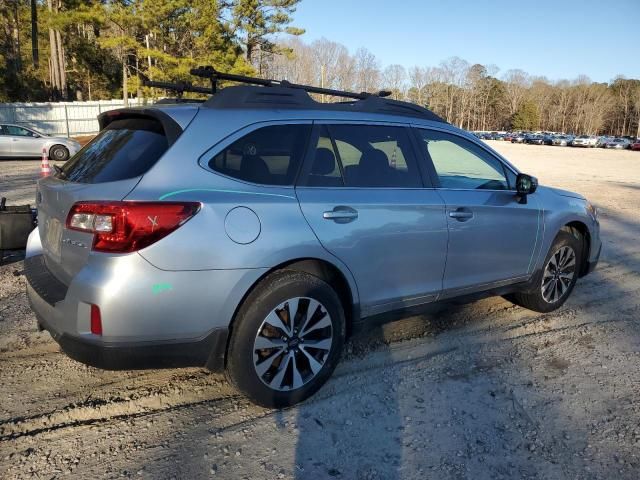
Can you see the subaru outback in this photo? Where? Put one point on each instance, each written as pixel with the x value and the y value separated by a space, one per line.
pixel 251 233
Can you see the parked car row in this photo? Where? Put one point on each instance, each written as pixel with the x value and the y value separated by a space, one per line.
pixel 563 140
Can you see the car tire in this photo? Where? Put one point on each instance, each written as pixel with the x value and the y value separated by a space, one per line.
pixel 551 286
pixel 290 368
pixel 59 153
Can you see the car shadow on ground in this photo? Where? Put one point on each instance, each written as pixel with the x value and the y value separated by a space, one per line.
pixel 522 400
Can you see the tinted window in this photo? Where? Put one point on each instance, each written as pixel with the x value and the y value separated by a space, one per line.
pixel 270 155
pixel 124 149
pixel 375 156
pixel 325 169
pixel 461 164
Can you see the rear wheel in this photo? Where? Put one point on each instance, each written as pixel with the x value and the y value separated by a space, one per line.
pixel 286 339
pixel 554 283
pixel 59 153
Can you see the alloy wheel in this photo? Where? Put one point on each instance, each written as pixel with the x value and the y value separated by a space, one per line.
pixel 558 274
pixel 292 344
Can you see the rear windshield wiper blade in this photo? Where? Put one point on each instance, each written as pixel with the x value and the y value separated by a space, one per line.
pixel 59 171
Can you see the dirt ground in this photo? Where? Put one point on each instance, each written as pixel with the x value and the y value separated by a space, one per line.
pixel 480 391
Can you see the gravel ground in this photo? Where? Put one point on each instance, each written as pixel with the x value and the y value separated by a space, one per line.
pixel 484 391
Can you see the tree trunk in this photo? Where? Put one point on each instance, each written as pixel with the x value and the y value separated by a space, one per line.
pixel 249 50
pixel 56 60
pixel 125 93
pixel 53 64
pixel 61 65
pixel 34 33
pixel 16 38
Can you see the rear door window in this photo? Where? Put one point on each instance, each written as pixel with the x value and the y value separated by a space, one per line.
pixel 269 155
pixel 125 149
pixel 368 156
pixel 324 169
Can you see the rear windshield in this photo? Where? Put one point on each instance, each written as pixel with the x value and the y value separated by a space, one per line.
pixel 125 149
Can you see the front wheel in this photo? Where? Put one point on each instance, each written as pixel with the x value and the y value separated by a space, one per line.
pixel 553 285
pixel 286 339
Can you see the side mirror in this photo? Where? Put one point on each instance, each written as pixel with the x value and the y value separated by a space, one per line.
pixel 525 185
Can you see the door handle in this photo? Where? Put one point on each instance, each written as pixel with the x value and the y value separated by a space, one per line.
pixel 341 214
pixel 461 214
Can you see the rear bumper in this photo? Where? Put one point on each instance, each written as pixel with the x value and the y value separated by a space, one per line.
pixel 151 318
pixel 208 351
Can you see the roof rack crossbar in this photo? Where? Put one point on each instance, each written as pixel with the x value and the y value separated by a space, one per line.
pixel 179 87
pixel 213 75
pixel 371 102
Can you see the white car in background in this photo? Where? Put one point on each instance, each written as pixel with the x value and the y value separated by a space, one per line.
pixel 585 141
pixel 17 142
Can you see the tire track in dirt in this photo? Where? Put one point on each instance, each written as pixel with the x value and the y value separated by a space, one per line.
pixel 106 410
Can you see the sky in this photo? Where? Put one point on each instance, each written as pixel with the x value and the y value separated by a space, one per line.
pixel 557 39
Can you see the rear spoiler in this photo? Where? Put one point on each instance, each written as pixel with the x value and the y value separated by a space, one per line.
pixel 172 129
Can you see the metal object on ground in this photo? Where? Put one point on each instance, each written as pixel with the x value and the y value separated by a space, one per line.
pixel 16 223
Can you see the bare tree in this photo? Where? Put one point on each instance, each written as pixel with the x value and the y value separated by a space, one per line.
pixel 367 71
pixel 468 95
pixel 516 84
pixel 417 85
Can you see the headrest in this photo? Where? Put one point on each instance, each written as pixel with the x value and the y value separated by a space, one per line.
pixel 324 163
pixel 254 169
pixel 373 160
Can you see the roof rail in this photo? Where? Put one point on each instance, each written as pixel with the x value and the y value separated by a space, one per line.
pixel 214 76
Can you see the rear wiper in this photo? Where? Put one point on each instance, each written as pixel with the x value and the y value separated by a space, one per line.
pixel 59 171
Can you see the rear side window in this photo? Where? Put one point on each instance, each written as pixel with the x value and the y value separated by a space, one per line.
pixel 125 149
pixel 270 155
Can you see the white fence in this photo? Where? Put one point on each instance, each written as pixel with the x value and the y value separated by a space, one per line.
pixel 60 118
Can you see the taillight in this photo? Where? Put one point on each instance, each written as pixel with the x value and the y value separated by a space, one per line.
pixel 123 227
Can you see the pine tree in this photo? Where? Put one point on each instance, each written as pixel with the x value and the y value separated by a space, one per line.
pixel 526 117
pixel 256 21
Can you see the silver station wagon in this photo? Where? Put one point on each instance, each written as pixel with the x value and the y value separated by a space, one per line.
pixel 252 232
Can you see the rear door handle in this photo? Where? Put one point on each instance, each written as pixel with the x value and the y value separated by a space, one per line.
pixel 341 214
pixel 461 214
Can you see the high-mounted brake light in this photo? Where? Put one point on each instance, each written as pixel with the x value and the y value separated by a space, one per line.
pixel 123 227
